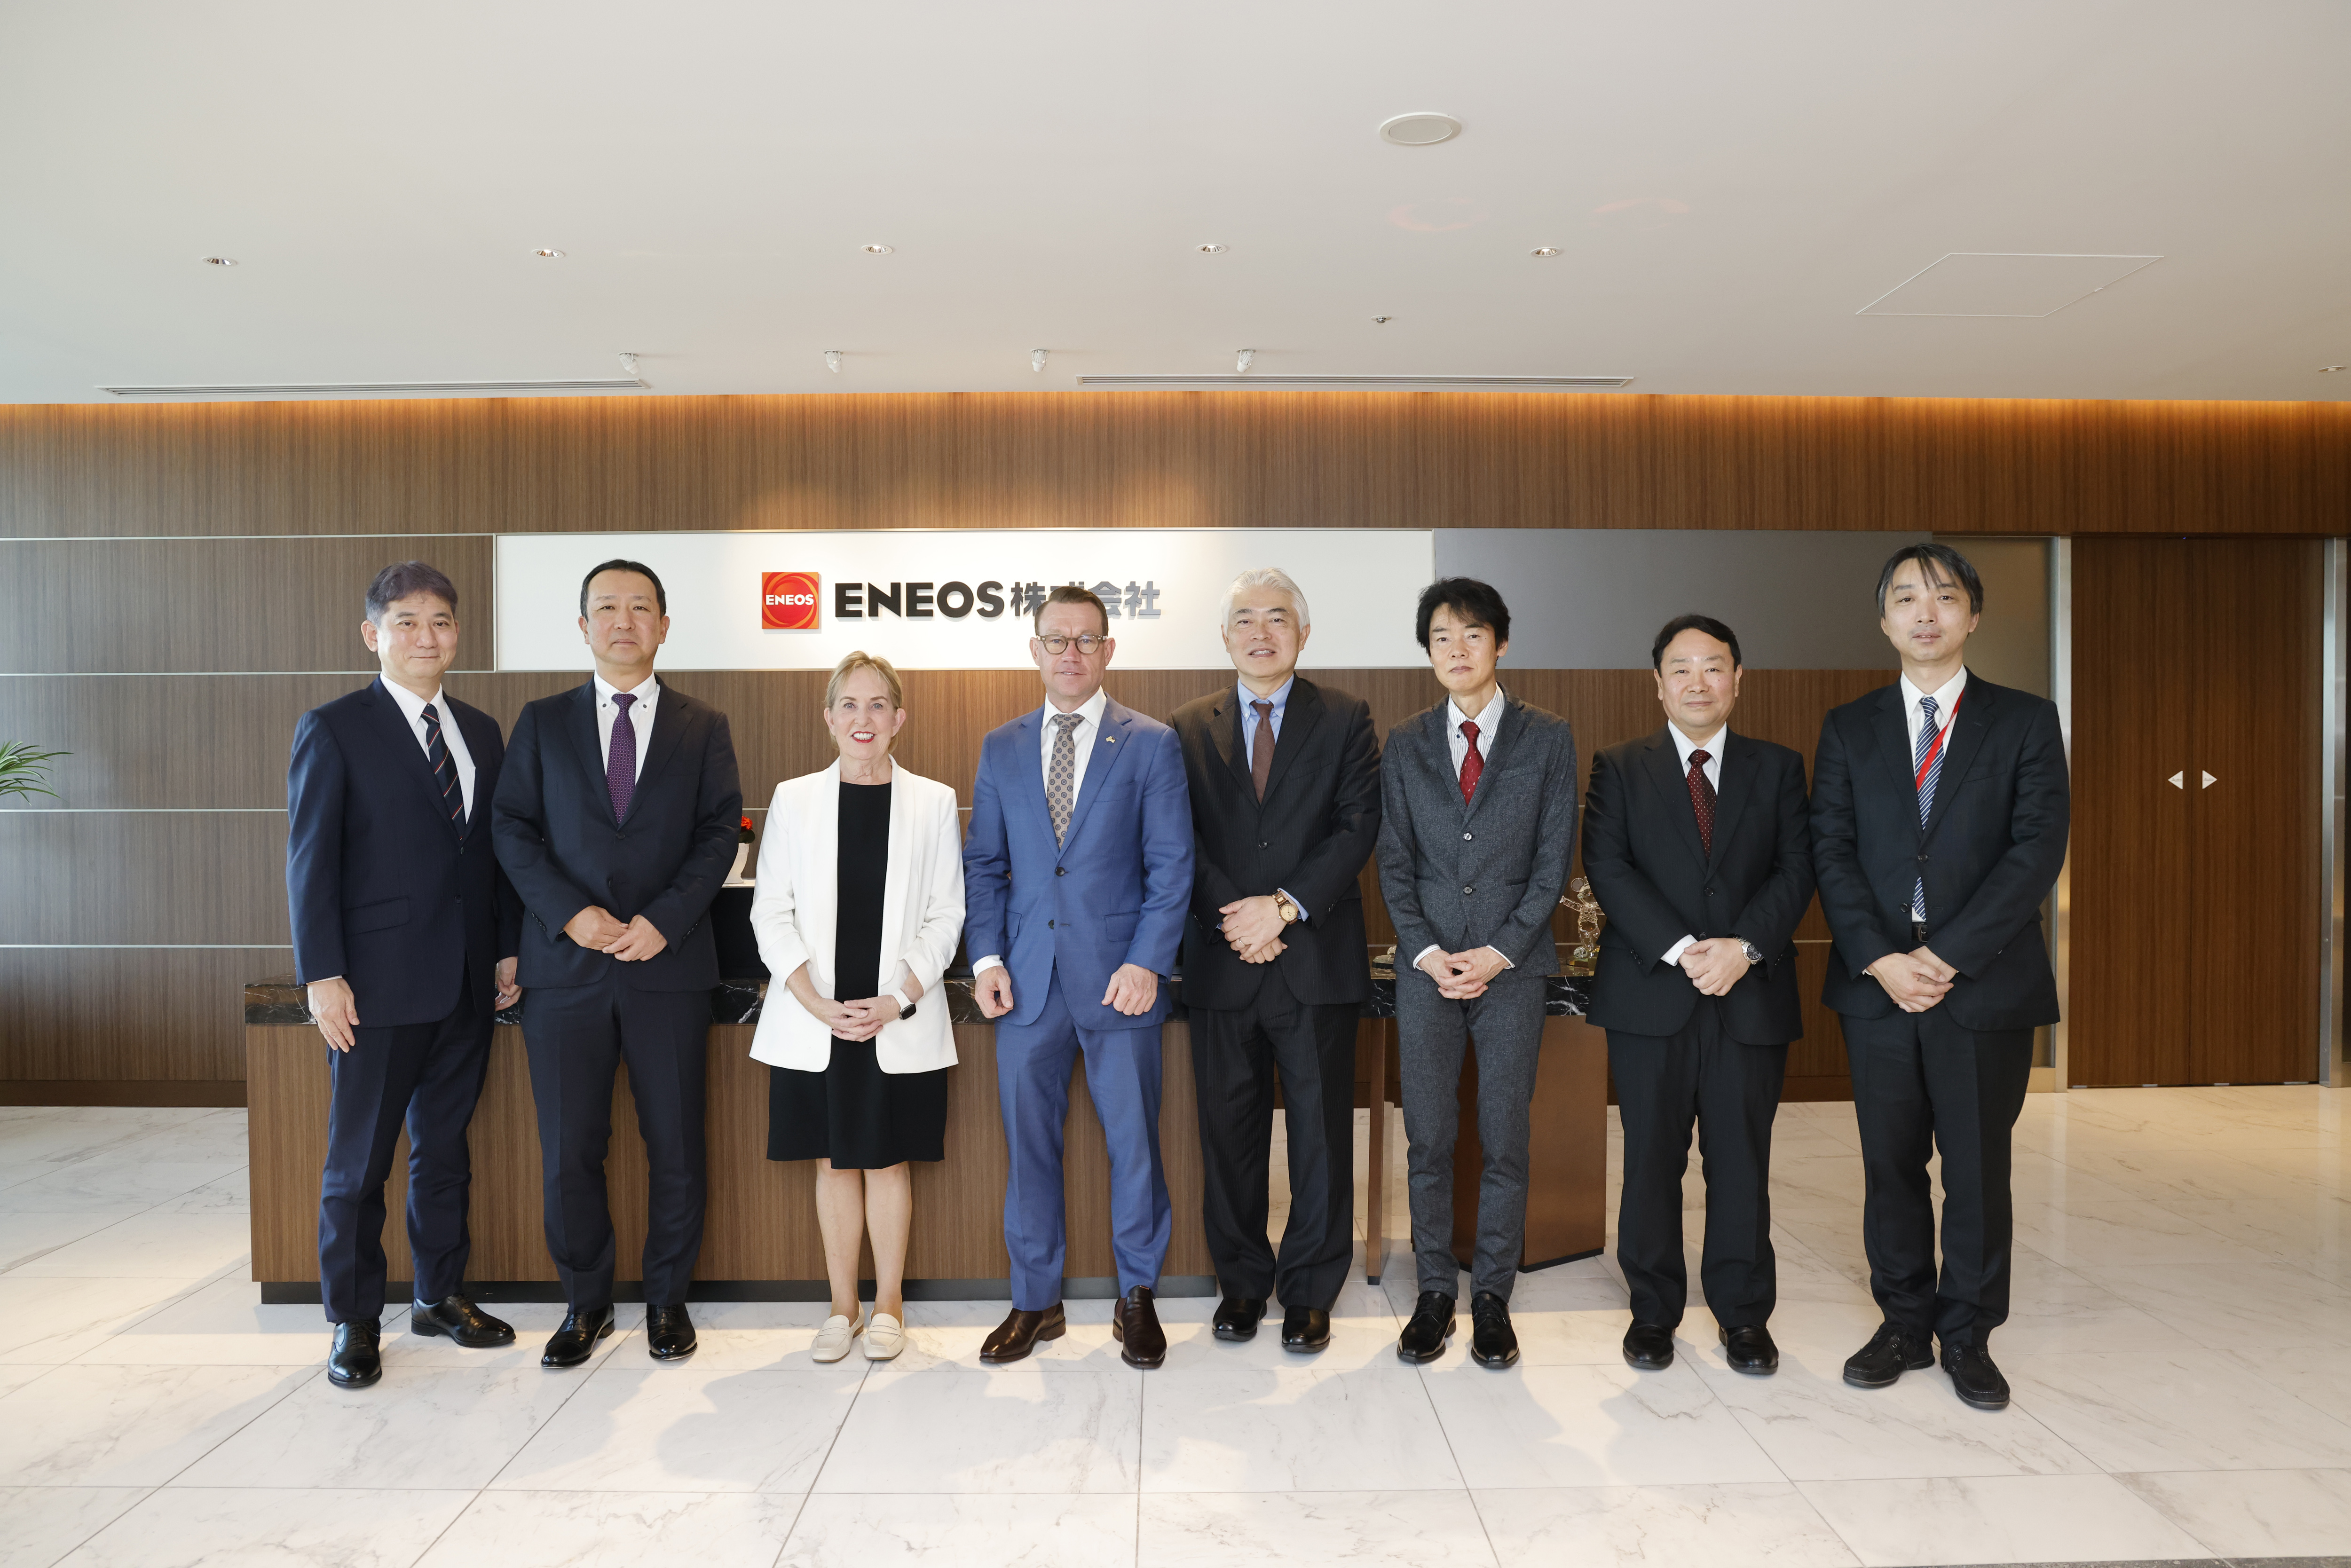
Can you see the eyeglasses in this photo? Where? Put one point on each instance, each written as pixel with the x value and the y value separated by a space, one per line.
pixel 1088 644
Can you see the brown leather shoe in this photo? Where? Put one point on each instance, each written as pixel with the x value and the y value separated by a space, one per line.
pixel 1018 1334
pixel 1134 1324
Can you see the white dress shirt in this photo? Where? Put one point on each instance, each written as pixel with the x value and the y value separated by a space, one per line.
pixel 1488 722
pixel 412 708
pixel 1683 747
pixel 1081 738
pixel 1281 701
pixel 640 718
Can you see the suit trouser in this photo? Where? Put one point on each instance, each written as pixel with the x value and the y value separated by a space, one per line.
pixel 1506 1027
pixel 1237 1055
pixel 1730 1090
pixel 1033 1064
pixel 1923 1083
pixel 429 1075
pixel 578 1036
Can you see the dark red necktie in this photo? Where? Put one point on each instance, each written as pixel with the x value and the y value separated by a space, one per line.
pixel 1701 791
pixel 621 759
pixel 1473 767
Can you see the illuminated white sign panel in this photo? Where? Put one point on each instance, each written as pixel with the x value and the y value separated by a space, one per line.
pixel 958 599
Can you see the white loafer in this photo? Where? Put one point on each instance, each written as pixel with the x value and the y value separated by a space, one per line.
pixel 832 1340
pixel 885 1336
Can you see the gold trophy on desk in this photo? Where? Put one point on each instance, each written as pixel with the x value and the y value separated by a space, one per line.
pixel 1584 957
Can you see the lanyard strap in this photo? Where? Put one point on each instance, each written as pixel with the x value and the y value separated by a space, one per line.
pixel 1935 747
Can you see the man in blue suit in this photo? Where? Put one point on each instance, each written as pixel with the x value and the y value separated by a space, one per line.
pixel 405 932
pixel 1077 875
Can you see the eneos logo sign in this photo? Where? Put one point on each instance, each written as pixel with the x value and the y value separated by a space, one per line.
pixel 788 602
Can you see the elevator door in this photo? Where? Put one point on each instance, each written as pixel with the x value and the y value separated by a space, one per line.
pixel 2194 913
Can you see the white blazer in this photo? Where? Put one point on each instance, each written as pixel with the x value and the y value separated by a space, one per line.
pixel 793 910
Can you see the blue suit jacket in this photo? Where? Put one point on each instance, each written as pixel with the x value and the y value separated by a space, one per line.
pixel 1114 892
pixel 383 889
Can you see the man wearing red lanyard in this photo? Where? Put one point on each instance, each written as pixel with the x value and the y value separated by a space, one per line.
pixel 1940 813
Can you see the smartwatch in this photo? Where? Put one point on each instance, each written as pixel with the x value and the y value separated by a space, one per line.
pixel 906 1007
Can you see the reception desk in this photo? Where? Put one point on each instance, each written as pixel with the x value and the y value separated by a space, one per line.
pixel 761 1240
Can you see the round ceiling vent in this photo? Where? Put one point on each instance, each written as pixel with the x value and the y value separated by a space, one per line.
pixel 1419 130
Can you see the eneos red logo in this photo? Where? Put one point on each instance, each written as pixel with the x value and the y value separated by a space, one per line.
pixel 788 602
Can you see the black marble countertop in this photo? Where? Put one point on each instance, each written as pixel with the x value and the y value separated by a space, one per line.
pixel 279 1000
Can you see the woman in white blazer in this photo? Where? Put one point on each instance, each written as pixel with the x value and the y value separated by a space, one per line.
pixel 858 910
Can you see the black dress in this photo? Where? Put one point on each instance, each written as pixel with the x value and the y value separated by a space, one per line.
pixel 853 1113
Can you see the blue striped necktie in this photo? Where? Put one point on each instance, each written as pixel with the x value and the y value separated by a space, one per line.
pixel 1929 763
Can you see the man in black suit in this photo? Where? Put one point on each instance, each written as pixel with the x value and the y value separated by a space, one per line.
pixel 618 819
pixel 1940 813
pixel 1285 784
pixel 404 930
pixel 1697 846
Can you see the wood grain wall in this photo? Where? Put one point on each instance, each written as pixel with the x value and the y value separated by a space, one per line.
pixel 187 581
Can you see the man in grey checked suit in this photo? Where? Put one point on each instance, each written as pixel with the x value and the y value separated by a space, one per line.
pixel 1477 833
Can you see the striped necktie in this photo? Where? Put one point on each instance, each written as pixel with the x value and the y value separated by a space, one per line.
pixel 445 769
pixel 1930 769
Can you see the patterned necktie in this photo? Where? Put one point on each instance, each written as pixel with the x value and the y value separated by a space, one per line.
pixel 1473 767
pixel 445 769
pixel 1261 748
pixel 1061 778
pixel 1701 791
pixel 621 758
pixel 1930 769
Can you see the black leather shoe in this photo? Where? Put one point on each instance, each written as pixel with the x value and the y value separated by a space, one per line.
pixel 1649 1347
pixel 1492 1341
pixel 1432 1325
pixel 1305 1330
pixel 1974 1378
pixel 1018 1334
pixel 1890 1353
pixel 575 1341
pixel 355 1362
pixel 461 1320
pixel 1238 1317
pixel 669 1332
pixel 1750 1350
pixel 1134 1324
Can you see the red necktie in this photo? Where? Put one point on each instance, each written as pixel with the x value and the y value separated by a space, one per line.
pixel 1473 767
pixel 1701 791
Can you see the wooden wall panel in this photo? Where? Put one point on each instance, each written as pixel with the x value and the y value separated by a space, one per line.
pixel 1175 460
pixel 129 1013
pixel 97 605
pixel 140 877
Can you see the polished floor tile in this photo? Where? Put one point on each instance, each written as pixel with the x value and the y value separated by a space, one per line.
pixel 331 1528
pixel 1998 1519
pixel 151 1245
pixel 1403 1530
pixel 1239 1427
pixel 27 1237
pixel 1589 1425
pixel 46 1319
pixel 615 1529
pixel 1021 1429
pixel 1761 1525
pixel 844 1531
pixel 2176 1410
pixel 43 1524
pixel 2255 1513
pixel 688 1428
pixel 130 1426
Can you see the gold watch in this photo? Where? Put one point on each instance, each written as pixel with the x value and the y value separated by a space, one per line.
pixel 1282 901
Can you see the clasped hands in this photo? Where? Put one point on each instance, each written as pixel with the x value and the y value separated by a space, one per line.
pixel 595 929
pixel 1131 990
pixel 1715 965
pixel 1461 976
pixel 1917 980
pixel 852 1019
pixel 1253 928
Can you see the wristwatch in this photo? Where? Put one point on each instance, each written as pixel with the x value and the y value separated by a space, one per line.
pixel 1282 901
pixel 906 1007
pixel 1754 954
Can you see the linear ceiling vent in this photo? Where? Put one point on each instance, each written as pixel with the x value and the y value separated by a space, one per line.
pixel 1358 383
pixel 377 389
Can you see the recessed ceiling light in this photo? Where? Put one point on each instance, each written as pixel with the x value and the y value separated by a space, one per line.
pixel 878 249
pixel 1212 248
pixel 1544 250
pixel 220 261
pixel 546 254
pixel 1382 320
pixel 1425 128
pixel 2323 369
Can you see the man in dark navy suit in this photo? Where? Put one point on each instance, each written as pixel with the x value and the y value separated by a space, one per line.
pixel 404 930
pixel 616 819
pixel 1696 842
pixel 1940 806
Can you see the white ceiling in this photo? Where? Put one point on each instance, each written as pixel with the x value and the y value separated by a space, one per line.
pixel 1730 184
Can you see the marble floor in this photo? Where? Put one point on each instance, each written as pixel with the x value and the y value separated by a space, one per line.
pixel 2180 1352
